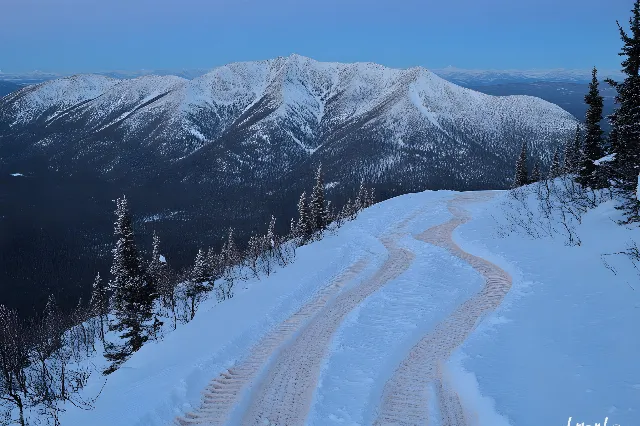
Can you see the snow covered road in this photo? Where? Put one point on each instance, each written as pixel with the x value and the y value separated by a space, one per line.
pixel 406 393
pixel 279 378
pixel 225 391
pixel 286 393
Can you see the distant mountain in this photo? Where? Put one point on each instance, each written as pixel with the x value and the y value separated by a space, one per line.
pixel 469 77
pixel 568 96
pixel 239 143
pixel 36 77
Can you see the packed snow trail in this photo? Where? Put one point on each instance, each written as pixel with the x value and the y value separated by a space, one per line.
pixel 285 394
pixel 225 391
pixel 405 395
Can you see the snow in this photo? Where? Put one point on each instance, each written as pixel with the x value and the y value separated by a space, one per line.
pixel 16 174
pixel 560 345
pixel 305 97
pixel 606 159
pixel 560 340
pixel 162 259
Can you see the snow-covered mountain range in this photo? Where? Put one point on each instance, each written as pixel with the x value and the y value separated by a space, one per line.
pixel 268 116
pixel 235 145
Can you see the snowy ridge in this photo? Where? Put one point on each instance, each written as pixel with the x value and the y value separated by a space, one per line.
pixel 262 121
pixel 301 93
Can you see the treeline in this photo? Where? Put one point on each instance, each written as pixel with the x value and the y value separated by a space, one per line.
pixel 41 360
pixel 596 162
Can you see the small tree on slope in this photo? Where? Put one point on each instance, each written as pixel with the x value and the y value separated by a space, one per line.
pixel 626 119
pixel 535 173
pixel 592 149
pixel 100 303
pixel 317 204
pixel 198 283
pixel 555 169
pixel 133 293
pixel 304 228
pixel 521 177
pixel 572 153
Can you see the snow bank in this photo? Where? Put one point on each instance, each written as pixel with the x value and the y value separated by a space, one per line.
pixel 563 342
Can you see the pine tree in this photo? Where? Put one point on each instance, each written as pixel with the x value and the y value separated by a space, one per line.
pixel 304 229
pixel 521 177
pixel 100 303
pixel 361 197
pixel 571 153
pixel 212 266
pixel 593 141
pixel 133 291
pixel 229 258
pixel 626 119
pixel 535 173
pixel 556 169
pixel 198 283
pixel 317 204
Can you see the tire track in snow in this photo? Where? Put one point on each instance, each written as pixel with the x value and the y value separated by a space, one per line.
pixel 225 391
pixel 404 398
pixel 284 395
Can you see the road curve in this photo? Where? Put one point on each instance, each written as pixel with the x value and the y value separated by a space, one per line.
pixel 404 399
pixel 285 394
pixel 225 391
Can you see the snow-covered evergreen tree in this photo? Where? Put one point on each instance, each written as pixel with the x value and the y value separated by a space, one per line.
pixel 521 177
pixel 555 170
pixel 592 150
pixel 133 292
pixel 317 204
pixel 198 283
pixel 100 303
pixel 304 228
pixel 361 197
pixel 229 258
pixel 535 173
pixel 626 119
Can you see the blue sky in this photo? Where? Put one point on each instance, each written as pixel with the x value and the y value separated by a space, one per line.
pixel 100 35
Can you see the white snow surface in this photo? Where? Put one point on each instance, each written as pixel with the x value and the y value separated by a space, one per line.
pixel 562 344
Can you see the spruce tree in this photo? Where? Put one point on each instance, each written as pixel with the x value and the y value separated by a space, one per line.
pixel 588 174
pixel 361 197
pixel 100 303
pixel 555 169
pixel 303 228
pixel 198 283
pixel 157 269
pixel 133 292
pixel 535 173
pixel 317 204
pixel 521 177
pixel 626 119
pixel 212 265
pixel 571 152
